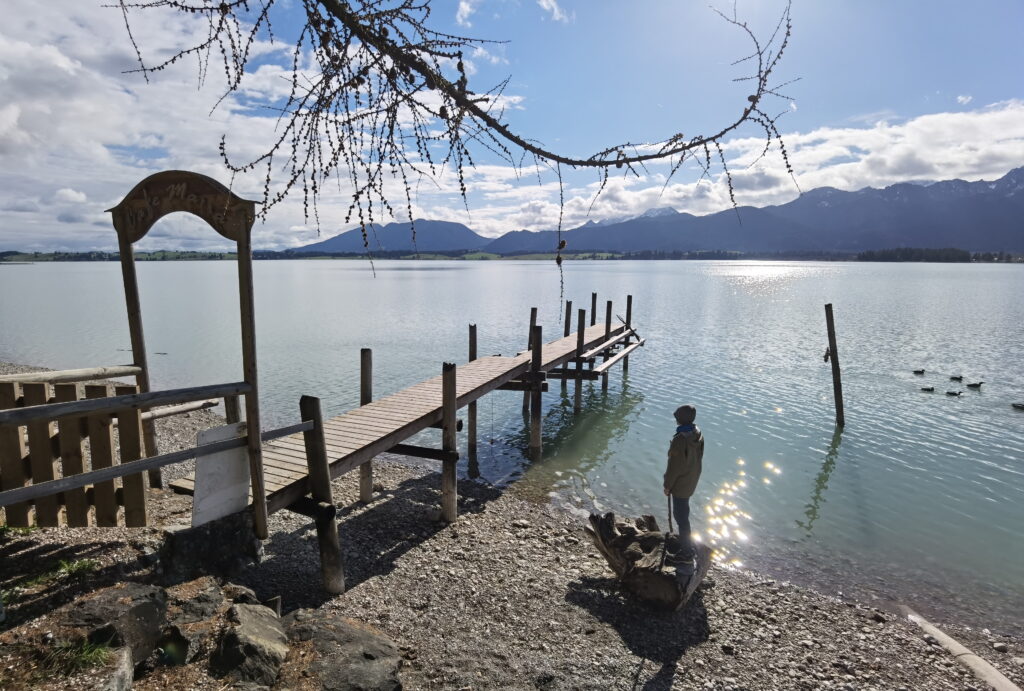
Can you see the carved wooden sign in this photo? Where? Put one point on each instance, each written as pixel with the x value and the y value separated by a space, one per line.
pixel 180 190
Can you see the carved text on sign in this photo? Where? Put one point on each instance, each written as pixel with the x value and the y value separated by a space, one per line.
pixel 170 191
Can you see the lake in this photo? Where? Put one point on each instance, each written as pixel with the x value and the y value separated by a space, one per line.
pixel 918 500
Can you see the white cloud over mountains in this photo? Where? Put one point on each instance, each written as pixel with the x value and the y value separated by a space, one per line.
pixel 77 132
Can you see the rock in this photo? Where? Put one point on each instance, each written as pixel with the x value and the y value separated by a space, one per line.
pixel 347 655
pixel 879 617
pixel 1000 647
pixel 191 610
pixel 1019 661
pixel 254 648
pixel 3 613
pixel 127 614
pixel 520 523
pixel 222 547
pixel 121 671
pixel 240 594
pixel 728 649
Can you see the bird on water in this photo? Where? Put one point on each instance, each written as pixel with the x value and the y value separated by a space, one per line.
pixel 929 389
pixel 976 385
pixel 919 371
pixel 954 393
pixel 958 377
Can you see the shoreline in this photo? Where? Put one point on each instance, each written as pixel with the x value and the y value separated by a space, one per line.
pixel 513 595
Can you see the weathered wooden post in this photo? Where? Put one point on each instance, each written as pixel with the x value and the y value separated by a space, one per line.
pixel 568 330
pixel 833 353
pixel 449 482
pixel 232 413
pixel 629 325
pixel 474 469
pixel 40 452
pixel 331 568
pixel 529 345
pixel 535 392
pixel 593 308
pixel 607 335
pixel 365 396
pixel 577 402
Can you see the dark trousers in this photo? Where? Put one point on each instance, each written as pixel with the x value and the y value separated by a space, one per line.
pixel 681 515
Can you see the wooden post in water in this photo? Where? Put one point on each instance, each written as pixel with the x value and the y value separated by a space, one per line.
pixel 535 393
pixel 529 345
pixel 577 401
pixel 449 483
pixel 365 396
pixel 474 470
pixel 607 335
pixel 331 568
pixel 568 330
pixel 629 324
pixel 593 308
pixel 837 382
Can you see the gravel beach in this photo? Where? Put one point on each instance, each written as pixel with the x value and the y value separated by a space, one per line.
pixel 513 595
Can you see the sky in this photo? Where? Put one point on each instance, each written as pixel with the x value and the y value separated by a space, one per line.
pixel 886 92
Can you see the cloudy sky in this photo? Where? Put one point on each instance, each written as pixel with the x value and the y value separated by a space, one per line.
pixel 887 92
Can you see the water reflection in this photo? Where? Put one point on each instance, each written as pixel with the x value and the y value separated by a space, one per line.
pixel 726 520
pixel 821 483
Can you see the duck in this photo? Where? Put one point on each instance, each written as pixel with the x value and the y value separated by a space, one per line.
pixel 929 389
pixel 958 377
pixel 954 393
pixel 976 385
pixel 919 371
pixel 1018 406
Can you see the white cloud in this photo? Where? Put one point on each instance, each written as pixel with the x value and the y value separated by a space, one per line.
pixel 68 195
pixel 557 13
pixel 465 11
pixel 964 99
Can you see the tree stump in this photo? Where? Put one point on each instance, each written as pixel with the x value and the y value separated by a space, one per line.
pixel 643 558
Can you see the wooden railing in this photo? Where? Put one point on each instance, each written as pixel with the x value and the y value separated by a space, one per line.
pixel 56 421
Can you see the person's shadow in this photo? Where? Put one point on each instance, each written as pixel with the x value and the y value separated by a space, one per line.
pixel 653 635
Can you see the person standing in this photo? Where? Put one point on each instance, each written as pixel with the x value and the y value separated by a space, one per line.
pixel 685 455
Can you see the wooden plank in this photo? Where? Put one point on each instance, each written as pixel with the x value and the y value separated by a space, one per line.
pixel 57 411
pixel 40 450
pixel 129 426
pixel 72 375
pixel 12 458
pixel 101 451
pixel 71 458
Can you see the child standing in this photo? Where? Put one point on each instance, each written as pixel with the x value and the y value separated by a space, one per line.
pixel 685 454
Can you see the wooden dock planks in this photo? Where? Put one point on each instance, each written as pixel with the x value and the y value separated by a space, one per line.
pixel 358 435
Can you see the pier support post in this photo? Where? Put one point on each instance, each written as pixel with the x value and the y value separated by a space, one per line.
pixel 232 412
pixel 449 486
pixel 568 330
pixel 629 325
pixel 529 345
pixel 365 396
pixel 593 320
pixel 833 354
pixel 607 335
pixel 535 393
pixel 474 467
pixel 577 401
pixel 331 568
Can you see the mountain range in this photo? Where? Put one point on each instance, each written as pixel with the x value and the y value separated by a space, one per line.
pixel 976 216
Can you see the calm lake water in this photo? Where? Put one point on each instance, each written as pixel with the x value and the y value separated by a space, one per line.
pixel 919 500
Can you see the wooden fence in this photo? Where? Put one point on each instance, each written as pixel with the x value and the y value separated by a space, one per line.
pixel 72 446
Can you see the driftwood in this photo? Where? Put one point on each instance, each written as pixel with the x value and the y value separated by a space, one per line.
pixel 643 558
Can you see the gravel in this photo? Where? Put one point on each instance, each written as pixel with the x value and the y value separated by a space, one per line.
pixel 513 595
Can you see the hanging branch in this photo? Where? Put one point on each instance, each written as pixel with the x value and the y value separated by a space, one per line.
pixel 370 83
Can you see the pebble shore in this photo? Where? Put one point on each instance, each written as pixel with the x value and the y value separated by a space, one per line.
pixel 514 596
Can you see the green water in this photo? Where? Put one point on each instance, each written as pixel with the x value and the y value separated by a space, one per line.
pixel 918 500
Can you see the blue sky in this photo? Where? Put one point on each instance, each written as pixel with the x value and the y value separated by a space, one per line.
pixel 887 92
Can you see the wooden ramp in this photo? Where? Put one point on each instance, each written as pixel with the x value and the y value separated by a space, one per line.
pixel 355 437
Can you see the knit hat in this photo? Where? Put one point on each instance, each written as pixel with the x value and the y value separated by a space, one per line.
pixel 686 414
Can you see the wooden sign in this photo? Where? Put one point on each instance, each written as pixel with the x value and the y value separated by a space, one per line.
pixel 179 190
pixel 222 479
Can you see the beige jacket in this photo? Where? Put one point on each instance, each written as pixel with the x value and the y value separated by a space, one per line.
pixel 685 455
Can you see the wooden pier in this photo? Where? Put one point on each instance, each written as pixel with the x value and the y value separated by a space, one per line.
pixel 355 437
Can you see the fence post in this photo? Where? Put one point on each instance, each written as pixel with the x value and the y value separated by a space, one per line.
pixel 12 450
pixel 365 396
pixel 331 568
pixel 837 382
pixel 449 483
